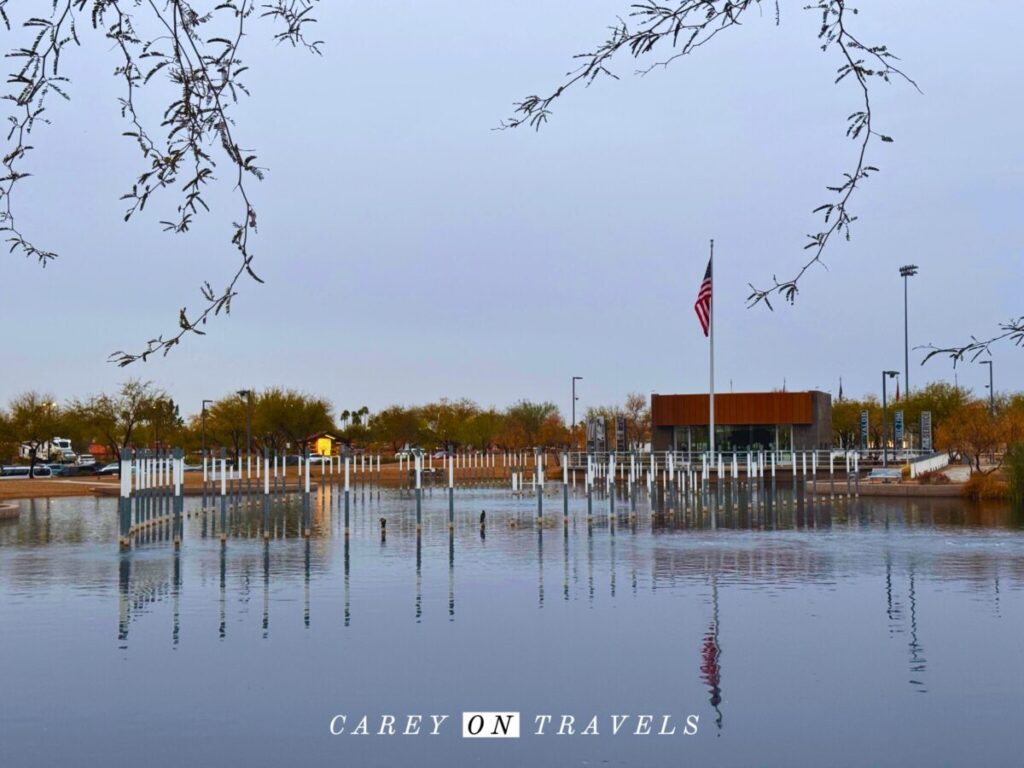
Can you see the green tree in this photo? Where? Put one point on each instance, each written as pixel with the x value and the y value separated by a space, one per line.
pixel 482 428
pixel 846 422
pixel 523 422
pixel 34 419
pixel 226 423
pixel 398 426
pixel 116 419
pixel 284 419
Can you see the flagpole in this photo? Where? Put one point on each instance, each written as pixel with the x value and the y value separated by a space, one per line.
pixel 711 349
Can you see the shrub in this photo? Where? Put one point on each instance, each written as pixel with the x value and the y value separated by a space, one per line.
pixel 1013 467
pixel 985 485
pixel 935 477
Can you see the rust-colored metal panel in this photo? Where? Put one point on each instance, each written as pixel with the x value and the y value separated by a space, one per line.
pixel 733 408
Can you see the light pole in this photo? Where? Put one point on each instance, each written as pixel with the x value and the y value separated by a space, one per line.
pixel 885 417
pixel 908 270
pixel 572 429
pixel 991 390
pixel 247 394
pixel 204 423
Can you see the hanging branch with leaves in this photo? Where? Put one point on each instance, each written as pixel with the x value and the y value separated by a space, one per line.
pixel 1011 330
pixel 190 48
pixel 688 25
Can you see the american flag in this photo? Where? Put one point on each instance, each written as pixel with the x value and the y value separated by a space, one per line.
pixel 703 304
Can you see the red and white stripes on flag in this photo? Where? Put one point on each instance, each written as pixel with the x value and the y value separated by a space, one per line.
pixel 703 304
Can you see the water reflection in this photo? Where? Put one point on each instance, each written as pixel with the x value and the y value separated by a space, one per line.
pixel 881 600
pixel 711 654
pixel 882 551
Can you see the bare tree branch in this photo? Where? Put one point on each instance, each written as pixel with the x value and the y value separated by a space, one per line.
pixel 686 25
pixel 194 47
pixel 1012 330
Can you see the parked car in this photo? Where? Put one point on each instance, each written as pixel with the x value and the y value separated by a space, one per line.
pixel 22 471
pixel 109 469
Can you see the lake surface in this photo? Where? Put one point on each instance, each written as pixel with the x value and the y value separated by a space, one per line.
pixel 855 632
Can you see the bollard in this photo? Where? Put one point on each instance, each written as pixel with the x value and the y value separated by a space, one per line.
pixel 565 489
pixel 223 495
pixel 451 494
pixel 538 474
pixel 590 489
pixel 125 502
pixel 178 501
pixel 346 495
pixel 419 494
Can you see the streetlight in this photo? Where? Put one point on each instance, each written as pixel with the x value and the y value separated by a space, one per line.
pixel 885 417
pixel 247 394
pixel 991 390
pixel 572 429
pixel 204 423
pixel 908 270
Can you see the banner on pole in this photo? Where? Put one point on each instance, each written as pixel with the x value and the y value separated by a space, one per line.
pixel 620 433
pixel 597 441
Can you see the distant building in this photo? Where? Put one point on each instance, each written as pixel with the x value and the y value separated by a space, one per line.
pixel 743 421
pixel 100 451
pixel 323 444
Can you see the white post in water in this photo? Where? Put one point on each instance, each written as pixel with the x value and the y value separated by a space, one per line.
pixel 419 465
pixel 565 488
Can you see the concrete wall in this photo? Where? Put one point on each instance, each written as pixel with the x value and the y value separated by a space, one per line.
pixel 817 434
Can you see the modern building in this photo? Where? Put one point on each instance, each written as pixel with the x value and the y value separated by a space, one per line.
pixel 743 421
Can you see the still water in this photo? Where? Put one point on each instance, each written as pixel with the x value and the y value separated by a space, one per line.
pixel 862 632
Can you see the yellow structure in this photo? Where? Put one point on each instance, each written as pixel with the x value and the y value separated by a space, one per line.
pixel 322 444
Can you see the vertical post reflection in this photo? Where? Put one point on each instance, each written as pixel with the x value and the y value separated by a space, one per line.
pixel 124 586
pixel 348 601
pixel 266 588
pixel 451 573
pixel 223 586
pixel 590 562
pixel 611 563
pixel 419 574
pixel 305 612
pixel 175 598
pixel 918 664
pixel 565 563
pixel 540 565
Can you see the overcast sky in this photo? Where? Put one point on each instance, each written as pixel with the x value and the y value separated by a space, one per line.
pixel 411 252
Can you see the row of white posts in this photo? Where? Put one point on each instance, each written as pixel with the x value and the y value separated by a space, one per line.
pixel 151 482
pixel 150 493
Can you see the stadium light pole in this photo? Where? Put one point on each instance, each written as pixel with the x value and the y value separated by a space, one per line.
pixel 572 430
pixel 885 417
pixel 908 270
pixel 991 390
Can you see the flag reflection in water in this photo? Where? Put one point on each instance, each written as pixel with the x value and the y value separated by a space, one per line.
pixel 711 654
